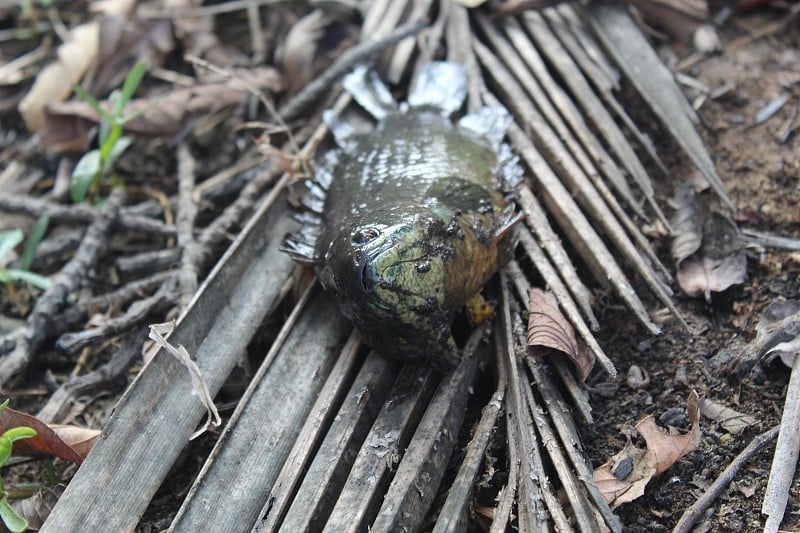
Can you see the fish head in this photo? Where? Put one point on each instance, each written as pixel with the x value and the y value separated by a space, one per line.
pixel 387 269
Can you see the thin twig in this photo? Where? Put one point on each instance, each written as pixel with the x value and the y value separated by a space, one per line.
pixel 64 396
pixel 71 343
pixel 787 450
pixel 693 513
pixel 187 211
pixel 80 213
pixel 39 327
pixel 217 231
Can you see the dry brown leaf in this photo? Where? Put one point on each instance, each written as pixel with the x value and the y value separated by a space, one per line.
pixel 624 477
pixel 123 43
pixel 549 330
pixel 46 443
pixel 37 508
pixel 703 275
pixel 706 247
pixel 68 123
pixel 79 439
pixel 54 83
pixel 778 332
pixel 730 420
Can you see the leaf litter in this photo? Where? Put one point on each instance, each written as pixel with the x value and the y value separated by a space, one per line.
pixel 623 478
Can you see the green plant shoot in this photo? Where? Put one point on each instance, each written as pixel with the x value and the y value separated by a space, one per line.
pixel 97 164
pixel 12 520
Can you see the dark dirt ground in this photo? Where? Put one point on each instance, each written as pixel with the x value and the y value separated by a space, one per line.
pixel 762 175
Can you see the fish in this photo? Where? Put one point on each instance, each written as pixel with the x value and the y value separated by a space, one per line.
pixel 408 220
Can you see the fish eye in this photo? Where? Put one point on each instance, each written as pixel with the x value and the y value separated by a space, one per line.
pixel 364 235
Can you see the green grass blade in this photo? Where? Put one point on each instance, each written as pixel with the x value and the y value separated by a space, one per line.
pixel 42 282
pixel 35 237
pixel 129 87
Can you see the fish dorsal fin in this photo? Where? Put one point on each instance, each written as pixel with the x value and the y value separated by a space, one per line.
pixel 441 86
pixel 369 91
pixel 489 122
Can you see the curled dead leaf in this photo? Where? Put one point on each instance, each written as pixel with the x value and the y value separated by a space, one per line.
pixel 730 420
pixel 778 333
pixel 79 439
pixel 624 477
pixel 549 331
pixel 164 115
pixel 37 508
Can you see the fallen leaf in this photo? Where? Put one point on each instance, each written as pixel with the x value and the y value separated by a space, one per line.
pixel 37 508
pixel 162 115
pixel 79 439
pixel 54 83
pixel 703 275
pixel 624 477
pixel 730 420
pixel 549 331
pixel 123 43
pixel 706 248
pixel 46 443
pixel 778 333
pixel 680 18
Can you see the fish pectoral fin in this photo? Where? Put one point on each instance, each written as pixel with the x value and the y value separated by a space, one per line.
pixel 509 218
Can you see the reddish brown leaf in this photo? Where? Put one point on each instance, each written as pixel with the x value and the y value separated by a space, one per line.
pixel 624 477
pixel 549 331
pixel 79 439
pixel 46 443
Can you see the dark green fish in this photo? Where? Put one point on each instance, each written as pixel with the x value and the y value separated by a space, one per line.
pixel 411 218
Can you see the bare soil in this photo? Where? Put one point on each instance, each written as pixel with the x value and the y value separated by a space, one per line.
pixel 762 174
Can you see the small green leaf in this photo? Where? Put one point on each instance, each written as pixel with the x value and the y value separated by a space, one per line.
pixel 21 432
pixel 14 274
pixel 89 99
pixel 129 87
pixel 109 143
pixel 86 172
pixel 35 237
pixel 5 404
pixel 119 148
pixel 8 241
pixel 5 450
pixel 13 520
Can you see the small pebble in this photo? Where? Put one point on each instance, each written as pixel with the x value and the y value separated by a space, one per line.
pixel 637 377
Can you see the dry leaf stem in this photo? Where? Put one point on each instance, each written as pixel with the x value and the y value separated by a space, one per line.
pixel 184 224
